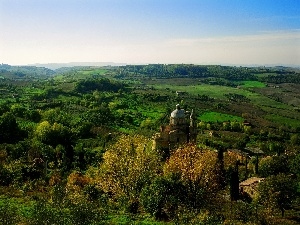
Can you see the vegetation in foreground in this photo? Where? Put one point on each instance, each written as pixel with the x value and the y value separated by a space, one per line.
pixel 76 146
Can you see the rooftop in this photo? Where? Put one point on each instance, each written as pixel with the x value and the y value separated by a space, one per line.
pixel 251 180
pixel 178 113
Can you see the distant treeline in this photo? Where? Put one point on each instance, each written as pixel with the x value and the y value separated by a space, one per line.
pixel 187 70
pixel 220 74
pixel 86 86
pixel 232 73
pixel 283 77
pixel 22 71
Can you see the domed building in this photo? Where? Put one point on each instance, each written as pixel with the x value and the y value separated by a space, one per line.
pixel 178 116
pixel 181 130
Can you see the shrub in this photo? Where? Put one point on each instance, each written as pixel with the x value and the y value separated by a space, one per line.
pixel 5 176
pixel 85 213
pixel 162 197
pixel 43 213
pixel 8 213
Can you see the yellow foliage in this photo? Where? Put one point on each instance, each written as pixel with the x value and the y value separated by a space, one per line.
pixel 75 184
pixel 55 179
pixel 43 128
pixel 77 179
pixel 128 165
pixel 3 155
pixel 230 159
pixel 194 165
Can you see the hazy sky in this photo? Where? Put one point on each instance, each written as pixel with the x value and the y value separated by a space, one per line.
pixel 150 31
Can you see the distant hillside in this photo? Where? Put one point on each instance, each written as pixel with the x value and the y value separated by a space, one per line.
pixel 54 66
pixel 24 71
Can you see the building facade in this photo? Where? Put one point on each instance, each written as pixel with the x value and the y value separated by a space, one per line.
pixel 181 129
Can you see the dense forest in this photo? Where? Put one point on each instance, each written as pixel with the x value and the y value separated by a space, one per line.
pixel 76 145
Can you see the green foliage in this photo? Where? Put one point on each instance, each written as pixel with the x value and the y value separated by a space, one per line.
pixel 186 70
pixel 9 129
pixel 4 108
pixel 104 84
pixel 5 176
pixel 273 165
pixel 86 213
pixel 277 192
pixel 295 139
pixel 53 134
pixel 18 110
pixel 163 197
pixel 233 97
pixel 76 214
pixel 218 117
pixel 8 212
pixel 56 116
pixel 243 212
pixel 127 167
pixel 283 120
pixel 99 117
pixel 251 84
pixel 294 164
pixel 45 214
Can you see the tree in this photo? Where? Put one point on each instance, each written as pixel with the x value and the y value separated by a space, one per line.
pixel 295 139
pixel 9 129
pixel 199 172
pixel 273 165
pixel 56 134
pixel 277 192
pixel 294 164
pixel 234 182
pixel 18 110
pixel 53 134
pixel 276 147
pixel 193 164
pixel 162 197
pixel 127 167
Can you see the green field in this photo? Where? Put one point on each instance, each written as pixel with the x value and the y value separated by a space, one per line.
pixel 218 117
pixel 253 84
pixel 81 74
pixel 213 91
pixel 283 120
pixel 218 92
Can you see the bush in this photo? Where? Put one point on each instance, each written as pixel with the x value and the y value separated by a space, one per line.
pixel 85 213
pixel 273 165
pixel 5 176
pixel 44 214
pixel 8 213
pixel 82 213
pixel 162 197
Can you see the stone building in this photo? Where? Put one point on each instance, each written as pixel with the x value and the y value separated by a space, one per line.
pixel 250 186
pixel 182 129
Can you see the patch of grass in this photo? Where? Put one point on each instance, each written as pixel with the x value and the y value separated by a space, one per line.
pixel 253 84
pixel 219 117
pixel 93 71
pixel 287 113
pixel 214 91
pixel 260 100
pixel 135 220
pixel 283 120
pixel 218 92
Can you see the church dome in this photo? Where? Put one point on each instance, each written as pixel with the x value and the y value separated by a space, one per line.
pixel 178 113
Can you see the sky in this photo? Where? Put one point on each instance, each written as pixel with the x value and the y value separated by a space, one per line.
pixel 235 32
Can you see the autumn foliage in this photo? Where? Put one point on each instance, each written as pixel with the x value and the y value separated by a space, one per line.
pixel 127 167
pixel 194 165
